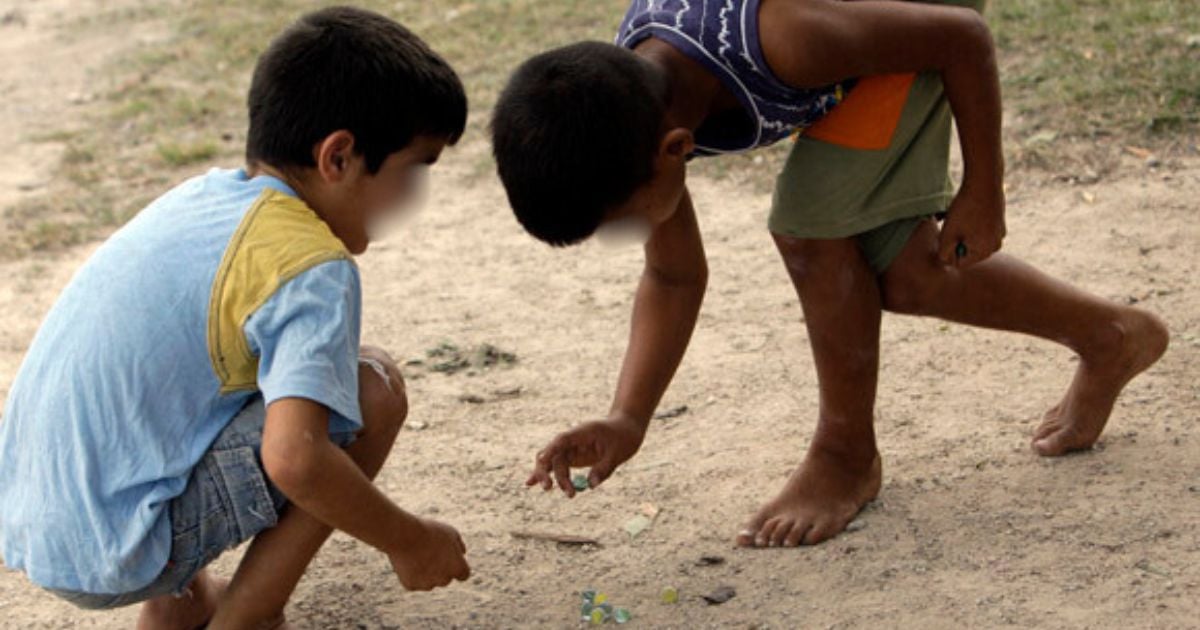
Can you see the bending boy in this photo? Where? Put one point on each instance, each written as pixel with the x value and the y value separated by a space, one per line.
pixel 596 137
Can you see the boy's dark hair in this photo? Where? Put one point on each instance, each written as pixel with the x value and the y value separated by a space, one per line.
pixel 347 68
pixel 574 134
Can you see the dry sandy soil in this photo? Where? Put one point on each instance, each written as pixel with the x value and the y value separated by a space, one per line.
pixel 971 529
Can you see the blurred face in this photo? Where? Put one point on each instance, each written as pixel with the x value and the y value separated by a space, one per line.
pixel 359 206
pixel 650 205
pixel 400 187
pixel 655 201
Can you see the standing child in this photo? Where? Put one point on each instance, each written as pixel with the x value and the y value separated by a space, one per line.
pixel 596 137
pixel 199 383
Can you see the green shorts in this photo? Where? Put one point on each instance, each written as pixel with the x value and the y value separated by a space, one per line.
pixel 874 168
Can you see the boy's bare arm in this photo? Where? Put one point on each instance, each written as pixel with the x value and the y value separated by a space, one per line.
pixel 664 315
pixel 809 43
pixel 321 479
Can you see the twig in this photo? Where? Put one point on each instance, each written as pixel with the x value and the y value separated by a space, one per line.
pixel 562 539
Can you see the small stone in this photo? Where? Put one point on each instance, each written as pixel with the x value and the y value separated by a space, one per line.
pixel 599 599
pixel 13 17
pixel 673 412
pixel 855 525
pixel 710 561
pixel 1153 161
pixel 1148 567
pixel 720 596
pixel 580 482
pixel 670 595
pixel 636 525
pixel 597 617
pixel 622 616
pixel 80 98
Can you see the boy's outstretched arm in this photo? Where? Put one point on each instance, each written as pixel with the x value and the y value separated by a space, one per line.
pixel 321 479
pixel 809 43
pixel 664 315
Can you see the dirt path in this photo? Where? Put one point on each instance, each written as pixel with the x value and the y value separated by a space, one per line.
pixel 971 529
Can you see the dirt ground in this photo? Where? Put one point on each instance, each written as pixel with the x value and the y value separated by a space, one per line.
pixel 971 529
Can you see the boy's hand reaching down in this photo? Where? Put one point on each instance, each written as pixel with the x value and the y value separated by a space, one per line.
pixel 603 445
pixel 974 228
pixel 434 561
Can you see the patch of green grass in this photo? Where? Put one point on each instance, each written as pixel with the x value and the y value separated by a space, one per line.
pixel 54 234
pixel 1090 68
pixel 60 135
pixel 177 155
pixel 1077 68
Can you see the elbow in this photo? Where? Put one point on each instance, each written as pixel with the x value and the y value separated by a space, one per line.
pixel 291 466
pixel 977 36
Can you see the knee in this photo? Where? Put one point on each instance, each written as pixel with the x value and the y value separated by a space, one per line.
pixel 813 262
pixel 382 394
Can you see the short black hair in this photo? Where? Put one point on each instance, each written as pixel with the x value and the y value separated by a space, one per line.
pixel 574 133
pixel 352 69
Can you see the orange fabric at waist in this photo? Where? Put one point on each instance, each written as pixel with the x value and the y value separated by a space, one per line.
pixel 868 117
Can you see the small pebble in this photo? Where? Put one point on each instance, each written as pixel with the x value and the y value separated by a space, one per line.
pixel 670 595
pixel 855 525
pixel 720 596
pixel 673 412
pixel 622 615
pixel 636 525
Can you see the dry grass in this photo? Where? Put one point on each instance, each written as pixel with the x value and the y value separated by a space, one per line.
pixel 1074 69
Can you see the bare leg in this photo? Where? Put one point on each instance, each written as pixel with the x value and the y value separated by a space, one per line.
pixel 278 557
pixel 842 471
pixel 1115 343
pixel 190 610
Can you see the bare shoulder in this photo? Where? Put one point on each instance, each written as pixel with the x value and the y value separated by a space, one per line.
pixel 809 43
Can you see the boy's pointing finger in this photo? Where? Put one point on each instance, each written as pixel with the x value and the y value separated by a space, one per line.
pixel 562 473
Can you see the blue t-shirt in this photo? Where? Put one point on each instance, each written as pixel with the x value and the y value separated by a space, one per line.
pixel 722 35
pixel 119 395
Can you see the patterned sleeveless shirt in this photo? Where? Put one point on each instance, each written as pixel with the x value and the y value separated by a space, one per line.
pixel 722 35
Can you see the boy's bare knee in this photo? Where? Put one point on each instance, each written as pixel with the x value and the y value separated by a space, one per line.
pixel 814 259
pixel 382 393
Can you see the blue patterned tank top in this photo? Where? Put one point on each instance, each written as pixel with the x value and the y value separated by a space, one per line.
pixel 722 35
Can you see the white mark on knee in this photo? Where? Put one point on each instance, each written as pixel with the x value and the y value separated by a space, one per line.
pixel 378 367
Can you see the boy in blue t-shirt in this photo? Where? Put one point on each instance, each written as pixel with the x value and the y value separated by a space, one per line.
pixel 200 383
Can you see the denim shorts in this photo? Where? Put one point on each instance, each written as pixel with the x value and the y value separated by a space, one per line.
pixel 228 500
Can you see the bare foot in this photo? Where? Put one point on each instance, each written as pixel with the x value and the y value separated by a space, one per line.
pixel 1076 423
pixel 819 500
pixel 188 611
